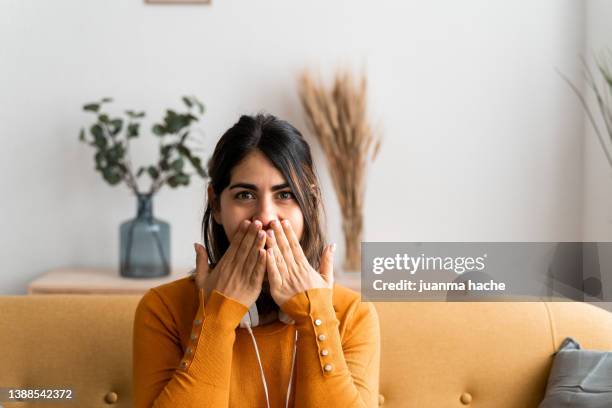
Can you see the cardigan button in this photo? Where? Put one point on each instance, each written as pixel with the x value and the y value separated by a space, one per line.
pixel 321 337
pixel 327 367
pixel 198 322
pixel 324 352
pixel 465 398
pixel 111 397
pixel 318 322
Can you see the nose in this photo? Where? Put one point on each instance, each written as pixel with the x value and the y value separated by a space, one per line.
pixel 266 212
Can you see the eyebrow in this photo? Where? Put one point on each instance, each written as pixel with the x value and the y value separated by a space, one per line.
pixel 254 187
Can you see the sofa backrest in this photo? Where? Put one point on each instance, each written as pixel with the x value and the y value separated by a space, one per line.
pixel 483 354
pixel 77 342
pixel 433 354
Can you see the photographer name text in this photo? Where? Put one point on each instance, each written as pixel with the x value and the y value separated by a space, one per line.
pixel 424 286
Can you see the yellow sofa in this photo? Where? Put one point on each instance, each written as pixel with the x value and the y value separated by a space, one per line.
pixel 434 355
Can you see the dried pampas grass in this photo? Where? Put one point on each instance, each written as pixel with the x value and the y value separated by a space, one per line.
pixel 338 119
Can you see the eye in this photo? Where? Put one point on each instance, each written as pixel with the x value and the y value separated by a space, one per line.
pixel 243 195
pixel 286 195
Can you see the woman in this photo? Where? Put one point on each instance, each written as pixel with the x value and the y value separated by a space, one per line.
pixel 260 323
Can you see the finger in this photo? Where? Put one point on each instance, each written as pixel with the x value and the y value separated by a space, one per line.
pixel 237 239
pixel 274 276
pixel 251 260
pixel 246 245
pixel 270 239
pixel 294 242
pixel 260 268
pixel 276 253
pixel 327 264
pixel 281 265
pixel 282 243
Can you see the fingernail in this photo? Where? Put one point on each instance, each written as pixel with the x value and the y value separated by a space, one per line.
pixel 270 233
pixel 333 247
pixel 286 223
pixel 260 234
pixel 195 246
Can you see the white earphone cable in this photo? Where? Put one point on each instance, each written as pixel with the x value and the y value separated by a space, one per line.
pixel 263 377
pixel 292 365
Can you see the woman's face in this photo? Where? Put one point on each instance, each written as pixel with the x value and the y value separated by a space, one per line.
pixel 257 191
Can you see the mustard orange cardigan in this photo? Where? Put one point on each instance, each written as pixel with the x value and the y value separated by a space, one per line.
pixel 187 355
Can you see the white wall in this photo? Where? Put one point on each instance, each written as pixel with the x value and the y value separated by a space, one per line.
pixel 597 172
pixel 483 140
pixel 597 195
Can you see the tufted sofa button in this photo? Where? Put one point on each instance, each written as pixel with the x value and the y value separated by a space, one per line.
pixel 381 399
pixel 465 398
pixel 111 397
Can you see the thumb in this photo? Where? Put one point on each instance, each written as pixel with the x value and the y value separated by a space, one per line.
pixel 202 268
pixel 327 264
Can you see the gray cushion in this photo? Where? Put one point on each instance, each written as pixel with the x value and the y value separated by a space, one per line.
pixel 579 378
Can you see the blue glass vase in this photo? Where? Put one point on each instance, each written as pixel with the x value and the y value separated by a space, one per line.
pixel 144 243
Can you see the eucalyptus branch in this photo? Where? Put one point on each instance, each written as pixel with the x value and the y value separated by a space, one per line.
pixel 115 162
pixel 128 176
pixel 128 156
pixel 157 184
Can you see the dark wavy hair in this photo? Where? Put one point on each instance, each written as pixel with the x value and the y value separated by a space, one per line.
pixel 286 148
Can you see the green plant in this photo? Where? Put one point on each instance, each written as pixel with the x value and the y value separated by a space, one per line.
pixel 111 136
pixel 603 96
